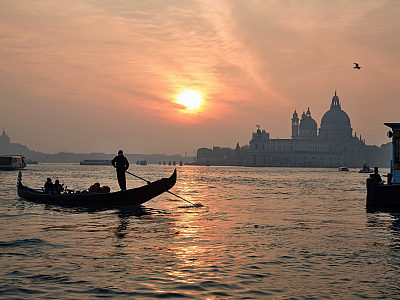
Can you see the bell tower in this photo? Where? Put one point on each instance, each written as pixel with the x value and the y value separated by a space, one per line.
pixel 295 125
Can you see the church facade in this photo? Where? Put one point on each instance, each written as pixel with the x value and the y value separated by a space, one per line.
pixel 332 145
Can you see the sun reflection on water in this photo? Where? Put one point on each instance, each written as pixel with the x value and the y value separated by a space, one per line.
pixel 285 233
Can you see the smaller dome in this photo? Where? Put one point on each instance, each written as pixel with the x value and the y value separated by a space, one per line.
pixel 4 139
pixel 307 122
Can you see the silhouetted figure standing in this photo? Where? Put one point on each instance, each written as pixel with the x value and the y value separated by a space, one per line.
pixel 121 164
pixel 377 176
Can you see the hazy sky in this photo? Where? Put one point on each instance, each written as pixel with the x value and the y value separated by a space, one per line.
pixel 98 76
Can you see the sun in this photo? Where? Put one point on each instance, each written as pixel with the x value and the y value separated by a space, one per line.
pixel 190 98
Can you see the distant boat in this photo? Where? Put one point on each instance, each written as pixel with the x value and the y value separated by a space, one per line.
pixel 343 168
pixel 31 162
pixel 102 162
pixel 366 169
pixel 12 162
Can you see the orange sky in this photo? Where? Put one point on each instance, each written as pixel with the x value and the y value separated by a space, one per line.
pixel 98 76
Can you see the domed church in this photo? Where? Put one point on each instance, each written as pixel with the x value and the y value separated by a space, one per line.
pixel 333 145
pixel 4 139
pixel 8 148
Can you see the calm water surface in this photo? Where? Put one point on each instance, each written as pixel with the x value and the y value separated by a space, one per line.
pixel 262 233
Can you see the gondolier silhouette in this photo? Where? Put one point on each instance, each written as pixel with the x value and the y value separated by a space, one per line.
pixel 121 164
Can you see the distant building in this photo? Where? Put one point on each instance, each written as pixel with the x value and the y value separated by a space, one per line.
pixel 8 148
pixel 333 145
pixel 379 156
pixel 221 156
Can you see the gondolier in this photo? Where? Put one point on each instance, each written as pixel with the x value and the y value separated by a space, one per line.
pixel 121 164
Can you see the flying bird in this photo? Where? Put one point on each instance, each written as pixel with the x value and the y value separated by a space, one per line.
pixel 357 66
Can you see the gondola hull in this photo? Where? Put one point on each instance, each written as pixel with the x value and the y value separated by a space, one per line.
pixel 130 197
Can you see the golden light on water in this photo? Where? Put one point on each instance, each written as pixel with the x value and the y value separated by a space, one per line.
pixel 191 99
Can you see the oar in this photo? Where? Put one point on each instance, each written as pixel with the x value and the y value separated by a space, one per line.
pixel 197 204
pixel 137 176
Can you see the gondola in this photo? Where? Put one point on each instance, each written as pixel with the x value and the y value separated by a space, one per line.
pixel 132 197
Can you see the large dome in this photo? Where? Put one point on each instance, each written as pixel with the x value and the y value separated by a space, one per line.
pixel 335 116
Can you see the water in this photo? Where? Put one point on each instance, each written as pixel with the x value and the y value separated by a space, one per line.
pixel 262 233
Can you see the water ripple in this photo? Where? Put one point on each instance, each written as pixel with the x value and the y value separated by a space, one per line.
pixel 262 233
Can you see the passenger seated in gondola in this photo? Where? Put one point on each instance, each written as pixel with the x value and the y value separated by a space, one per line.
pixel 58 187
pixel 49 187
pixel 96 189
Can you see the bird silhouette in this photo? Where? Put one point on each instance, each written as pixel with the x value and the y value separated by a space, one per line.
pixel 357 66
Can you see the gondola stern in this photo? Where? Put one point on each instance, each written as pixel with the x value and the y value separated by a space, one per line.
pixel 173 179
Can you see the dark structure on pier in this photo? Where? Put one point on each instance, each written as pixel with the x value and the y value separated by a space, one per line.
pixel 386 196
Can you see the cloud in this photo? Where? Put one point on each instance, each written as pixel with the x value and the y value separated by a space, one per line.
pixel 254 62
